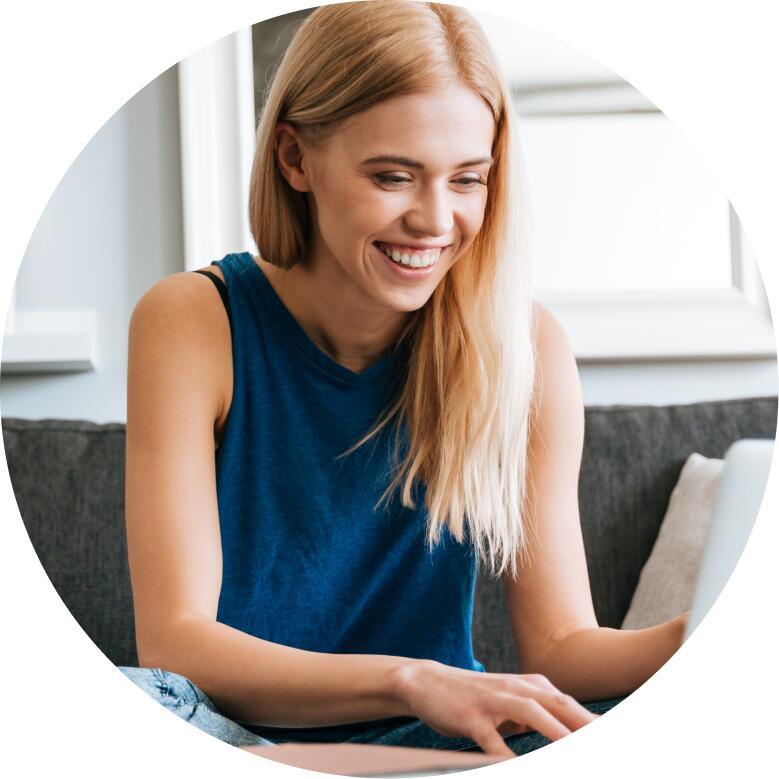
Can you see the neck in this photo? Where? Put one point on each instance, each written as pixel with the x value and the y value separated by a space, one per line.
pixel 351 330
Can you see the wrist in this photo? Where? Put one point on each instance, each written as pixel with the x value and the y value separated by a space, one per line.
pixel 404 683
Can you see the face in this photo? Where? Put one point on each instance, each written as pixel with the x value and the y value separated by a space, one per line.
pixel 403 182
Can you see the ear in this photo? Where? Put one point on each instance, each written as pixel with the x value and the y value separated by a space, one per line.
pixel 289 156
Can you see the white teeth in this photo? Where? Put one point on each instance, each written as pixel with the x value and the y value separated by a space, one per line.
pixel 411 260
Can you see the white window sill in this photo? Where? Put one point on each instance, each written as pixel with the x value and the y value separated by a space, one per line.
pixel 667 325
pixel 53 341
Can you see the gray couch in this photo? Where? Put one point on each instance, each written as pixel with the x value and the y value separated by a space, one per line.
pixel 68 477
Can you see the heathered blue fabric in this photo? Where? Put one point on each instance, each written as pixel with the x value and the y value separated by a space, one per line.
pixel 307 562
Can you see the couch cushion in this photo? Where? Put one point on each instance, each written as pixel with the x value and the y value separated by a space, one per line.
pixel 68 478
pixel 667 582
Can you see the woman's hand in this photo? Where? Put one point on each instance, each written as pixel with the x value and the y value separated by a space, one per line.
pixel 486 707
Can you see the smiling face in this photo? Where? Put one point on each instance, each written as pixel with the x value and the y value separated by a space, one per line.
pixel 405 179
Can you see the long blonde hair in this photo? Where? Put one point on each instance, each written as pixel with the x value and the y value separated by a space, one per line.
pixel 467 395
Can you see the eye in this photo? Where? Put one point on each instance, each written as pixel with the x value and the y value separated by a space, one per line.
pixel 471 182
pixel 393 180
pixel 390 179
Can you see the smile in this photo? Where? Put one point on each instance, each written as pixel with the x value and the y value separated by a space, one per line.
pixel 408 255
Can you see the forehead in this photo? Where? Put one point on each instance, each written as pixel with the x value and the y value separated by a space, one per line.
pixel 438 128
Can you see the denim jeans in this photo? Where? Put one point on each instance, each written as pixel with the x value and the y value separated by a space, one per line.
pixel 186 700
pixel 189 702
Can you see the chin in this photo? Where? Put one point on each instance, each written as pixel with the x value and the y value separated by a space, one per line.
pixel 407 303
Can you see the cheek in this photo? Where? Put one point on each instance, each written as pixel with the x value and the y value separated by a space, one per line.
pixel 341 213
pixel 473 218
pixel 372 213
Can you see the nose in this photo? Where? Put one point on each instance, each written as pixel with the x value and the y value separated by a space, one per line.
pixel 431 212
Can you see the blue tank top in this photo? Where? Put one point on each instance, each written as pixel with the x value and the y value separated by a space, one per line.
pixel 307 562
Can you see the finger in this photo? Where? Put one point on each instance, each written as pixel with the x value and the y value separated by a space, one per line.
pixel 511 728
pixel 565 708
pixel 491 742
pixel 529 710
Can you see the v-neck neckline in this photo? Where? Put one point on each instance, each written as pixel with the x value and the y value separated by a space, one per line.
pixel 295 332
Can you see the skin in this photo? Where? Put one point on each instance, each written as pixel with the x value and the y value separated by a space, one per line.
pixel 352 306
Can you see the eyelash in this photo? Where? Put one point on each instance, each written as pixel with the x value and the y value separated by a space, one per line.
pixel 384 178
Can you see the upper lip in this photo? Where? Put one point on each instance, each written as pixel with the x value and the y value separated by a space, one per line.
pixel 420 246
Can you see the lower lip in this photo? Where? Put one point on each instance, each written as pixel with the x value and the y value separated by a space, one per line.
pixel 406 272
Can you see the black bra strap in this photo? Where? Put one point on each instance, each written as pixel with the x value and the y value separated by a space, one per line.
pixel 222 287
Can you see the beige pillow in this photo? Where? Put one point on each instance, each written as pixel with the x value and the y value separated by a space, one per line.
pixel 667 582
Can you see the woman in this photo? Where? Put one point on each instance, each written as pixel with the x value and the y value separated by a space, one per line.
pixel 388 407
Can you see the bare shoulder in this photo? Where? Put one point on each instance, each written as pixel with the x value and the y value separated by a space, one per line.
pixel 179 291
pixel 547 328
pixel 179 333
pixel 558 385
pixel 183 310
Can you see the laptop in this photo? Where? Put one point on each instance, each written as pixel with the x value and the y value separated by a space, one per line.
pixel 737 503
pixel 373 760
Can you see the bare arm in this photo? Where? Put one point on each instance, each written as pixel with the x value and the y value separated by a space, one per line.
pixel 597 663
pixel 179 356
pixel 257 681
pixel 552 614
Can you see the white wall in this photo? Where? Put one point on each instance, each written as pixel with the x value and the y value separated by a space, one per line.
pixel 111 229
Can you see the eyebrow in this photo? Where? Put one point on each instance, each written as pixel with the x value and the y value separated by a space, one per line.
pixel 409 163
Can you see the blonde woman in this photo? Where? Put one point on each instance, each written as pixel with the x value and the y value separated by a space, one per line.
pixel 318 460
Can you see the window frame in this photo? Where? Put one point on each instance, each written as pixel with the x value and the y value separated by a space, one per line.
pixel 654 325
